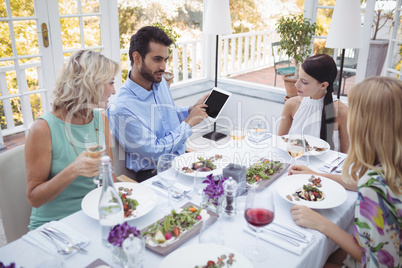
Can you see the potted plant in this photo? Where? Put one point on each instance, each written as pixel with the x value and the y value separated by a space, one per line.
pixel 296 34
pixel 174 36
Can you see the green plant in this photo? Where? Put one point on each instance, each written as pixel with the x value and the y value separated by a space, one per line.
pixel 170 32
pixel 296 34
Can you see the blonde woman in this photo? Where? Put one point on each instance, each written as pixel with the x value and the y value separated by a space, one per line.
pixel 59 171
pixel 375 161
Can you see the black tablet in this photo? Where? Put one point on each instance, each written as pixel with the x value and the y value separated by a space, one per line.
pixel 216 100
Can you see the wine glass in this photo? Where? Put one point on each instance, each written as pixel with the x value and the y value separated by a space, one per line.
pixel 237 134
pixel 259 211
pixel 95 146
pixel 257 129
pixel 296 147
pixel 167 174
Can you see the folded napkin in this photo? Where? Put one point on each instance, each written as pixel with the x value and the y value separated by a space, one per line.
pixel 280 241
pixel 266 136
pixel 177 186
pixel 331 157
pixel 36 238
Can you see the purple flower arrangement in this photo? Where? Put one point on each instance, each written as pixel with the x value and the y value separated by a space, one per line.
pixel 11 265
pixel 214 189
pixel 120 232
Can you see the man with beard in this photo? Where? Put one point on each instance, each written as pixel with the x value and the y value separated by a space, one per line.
pixel 143 116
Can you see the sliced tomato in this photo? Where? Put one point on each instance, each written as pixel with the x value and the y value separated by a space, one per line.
pixel 176 231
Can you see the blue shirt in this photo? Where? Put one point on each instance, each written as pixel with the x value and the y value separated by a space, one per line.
pixel 147 123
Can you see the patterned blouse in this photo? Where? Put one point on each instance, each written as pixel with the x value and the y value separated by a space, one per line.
pixel 378 222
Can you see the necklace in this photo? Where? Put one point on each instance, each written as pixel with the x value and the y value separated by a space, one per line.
pixel 68 132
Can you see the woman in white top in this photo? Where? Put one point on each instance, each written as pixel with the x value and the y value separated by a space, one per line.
pixel 305 113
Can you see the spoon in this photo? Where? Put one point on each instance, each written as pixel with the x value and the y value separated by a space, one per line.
pixel 60 250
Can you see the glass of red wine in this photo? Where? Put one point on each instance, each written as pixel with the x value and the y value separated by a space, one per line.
pixel 259 211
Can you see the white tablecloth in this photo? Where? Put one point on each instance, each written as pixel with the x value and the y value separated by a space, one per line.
pixel 25 254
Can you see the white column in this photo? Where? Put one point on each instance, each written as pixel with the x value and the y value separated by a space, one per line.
pixel 366 35
pixel 208 46
pixel 110 33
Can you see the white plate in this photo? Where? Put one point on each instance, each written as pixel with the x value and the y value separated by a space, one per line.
pixel 186 160
pixel 335 194
pixel 146 197
pixel 200 254
pixel 312 141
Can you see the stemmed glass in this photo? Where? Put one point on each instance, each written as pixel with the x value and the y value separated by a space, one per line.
pixel 95 146
pixel 259 212
pixel 257 129
pixel 296 147
pixel 167 174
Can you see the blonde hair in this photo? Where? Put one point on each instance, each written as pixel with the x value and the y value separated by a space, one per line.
pixel 375 127
pixel 80 85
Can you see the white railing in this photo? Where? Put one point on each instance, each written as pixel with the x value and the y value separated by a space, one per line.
pixel 239 53
pixel 22 94
pixel 186 63
pixel 246 52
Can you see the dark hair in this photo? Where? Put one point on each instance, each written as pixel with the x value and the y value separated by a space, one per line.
pixel 140 41
pixel 323 68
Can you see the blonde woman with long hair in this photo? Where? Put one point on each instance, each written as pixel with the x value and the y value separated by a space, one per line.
pixel 375 162
pixel 59 171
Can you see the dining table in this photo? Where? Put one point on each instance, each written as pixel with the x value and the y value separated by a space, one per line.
pixel 315 254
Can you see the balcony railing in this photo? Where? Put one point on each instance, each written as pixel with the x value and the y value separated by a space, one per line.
pixel 239 53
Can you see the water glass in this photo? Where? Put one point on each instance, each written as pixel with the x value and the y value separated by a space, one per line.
pixel 199 176
pixel 133 248
pixel 211 232
pixel 167 174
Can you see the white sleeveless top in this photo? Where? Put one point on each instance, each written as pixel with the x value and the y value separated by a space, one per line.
pixel 307 120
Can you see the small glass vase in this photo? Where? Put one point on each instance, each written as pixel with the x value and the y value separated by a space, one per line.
pixel 212 204
pixel 119 257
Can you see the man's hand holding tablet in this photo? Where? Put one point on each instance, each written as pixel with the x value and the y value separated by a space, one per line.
pixel 197 112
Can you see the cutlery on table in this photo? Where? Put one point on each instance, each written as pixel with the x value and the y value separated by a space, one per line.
pixel 292 230
pixel 177 192
pixel 279 235
pixel 67 237
pixel 63 240
pixel 335 167
pixel 60 250
pixel 303 240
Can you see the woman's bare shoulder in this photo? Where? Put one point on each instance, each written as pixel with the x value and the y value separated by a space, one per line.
pixel 39 130
pixel 294 102
pixel 340 107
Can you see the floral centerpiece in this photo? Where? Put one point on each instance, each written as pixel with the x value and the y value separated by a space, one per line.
pixel 117 235
pixel 214 192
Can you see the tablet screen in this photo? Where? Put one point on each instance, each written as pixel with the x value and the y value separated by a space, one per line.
pixel 215 102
